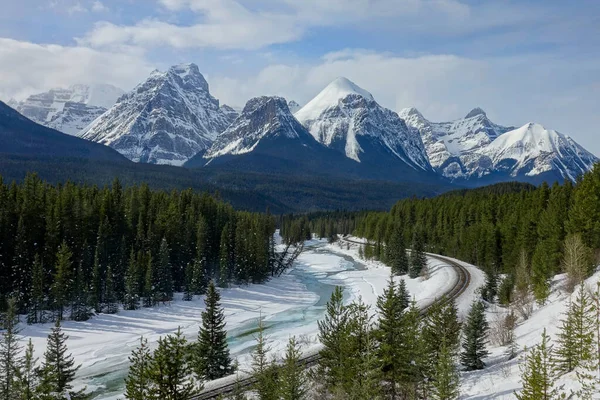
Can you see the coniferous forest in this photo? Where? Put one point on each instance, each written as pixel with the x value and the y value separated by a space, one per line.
pixel 68 251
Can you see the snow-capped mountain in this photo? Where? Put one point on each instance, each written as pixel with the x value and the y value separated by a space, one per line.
pixel 532 150
pixel 69 110
pixel 165 120
pixel 293 106
pixel 262 118
pixel 476 148
pixel 347 118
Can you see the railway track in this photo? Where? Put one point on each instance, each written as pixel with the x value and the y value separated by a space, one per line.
pixel 462 283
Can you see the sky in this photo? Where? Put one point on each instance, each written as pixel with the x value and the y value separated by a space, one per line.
pixel 520 60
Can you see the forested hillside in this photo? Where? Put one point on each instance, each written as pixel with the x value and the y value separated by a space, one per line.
pixel 69 250
pixel 495 227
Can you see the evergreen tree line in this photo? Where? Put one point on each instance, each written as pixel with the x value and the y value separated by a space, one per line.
pixel 497 228
pixel 70 250
pixel 22 377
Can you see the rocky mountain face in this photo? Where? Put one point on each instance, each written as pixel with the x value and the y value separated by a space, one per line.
pixel 474 148
pixel 68 110
pixel 347 118
pixel 262 118
pixel 167 119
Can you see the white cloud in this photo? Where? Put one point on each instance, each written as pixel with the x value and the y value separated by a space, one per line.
pixel 28 68
pixel 98 6
pixel 239 24
pixel 76 8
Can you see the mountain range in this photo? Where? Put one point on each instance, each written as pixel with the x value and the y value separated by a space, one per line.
pixel 343 132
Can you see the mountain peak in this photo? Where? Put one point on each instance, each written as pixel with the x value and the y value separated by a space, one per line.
pixel 342 87
pixel 475 112
pixel 410 112
pixel 190 74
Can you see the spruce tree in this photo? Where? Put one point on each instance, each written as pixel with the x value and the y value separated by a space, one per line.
pixel 188 288
pixel 446 380
pixel 164 274
pixel 441 322
pixel 79 308
pixel 27 376
pixel 418 260
pixel 170 373
pixel 412 354
pixel 62 279
pixel 537 373
pixel 58 368
pixel 333 335
pixel 389 335
pixel 293 381
pixel 137 383
pixel 403 294
pixel 35 314
pixel 132 295
pixel 149 287
pixel 396 252
pixel 110 297
pixel 212 360
pixel 264 371
pixel 576 337
pixel 475 338
pixel 10 360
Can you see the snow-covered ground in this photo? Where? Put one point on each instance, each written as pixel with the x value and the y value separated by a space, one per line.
pixel 290 305
pixel 501 378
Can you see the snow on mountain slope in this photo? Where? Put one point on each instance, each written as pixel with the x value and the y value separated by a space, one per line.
pixel 165 120
pixel 47 108
pixel 343 116
pixel 474 147
pixel 74 117
pixel 532 150
pixel 261 117
pixel 450 145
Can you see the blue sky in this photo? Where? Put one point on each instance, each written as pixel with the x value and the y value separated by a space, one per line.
pixel 521 61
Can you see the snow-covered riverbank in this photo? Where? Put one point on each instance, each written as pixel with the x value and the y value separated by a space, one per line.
pixel 290 305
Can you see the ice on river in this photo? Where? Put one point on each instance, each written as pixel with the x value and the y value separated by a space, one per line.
pixel 290 305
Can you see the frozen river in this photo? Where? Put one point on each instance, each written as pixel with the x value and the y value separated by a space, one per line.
pixel 290 305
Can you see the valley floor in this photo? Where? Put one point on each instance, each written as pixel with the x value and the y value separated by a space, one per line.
pixel 290 305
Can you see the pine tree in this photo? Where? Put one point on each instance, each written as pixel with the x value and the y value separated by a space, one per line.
pixel 537 373
pixel 110 297
pixel 79 308
pixel 576 262
pixel 418 260
pixel 171 375
pixel 403 294
pixel 62 279
pixel 188 288
pixel 490 289
pixel 389 335
pixel 446 380
pixel 58 368
pixel 263 370
pixel 293 379
pixel 396 253
pixel 412 354
pixel 10 360
pixel 441 322
pixel 164 274
pixel 475 338
pixel 35 313
pixel 576 337
pixel 132 296
pixel 137 383
pixel 333 335
pixel 149 288
pixel 212 360
pixel 27 376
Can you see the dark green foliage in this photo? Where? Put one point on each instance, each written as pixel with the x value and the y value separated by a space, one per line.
pixel 475 338
pixel 212 360
pixel 418 260
pixel 137 383
pixel 264 370
pixel 396 256
pixel 100 247
pixel 293 380
pixel 58 368
pixel 446 381
pixel 10 359
pixel 441 328
pixel 27 377
pixel 170 374
pixel 538 375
